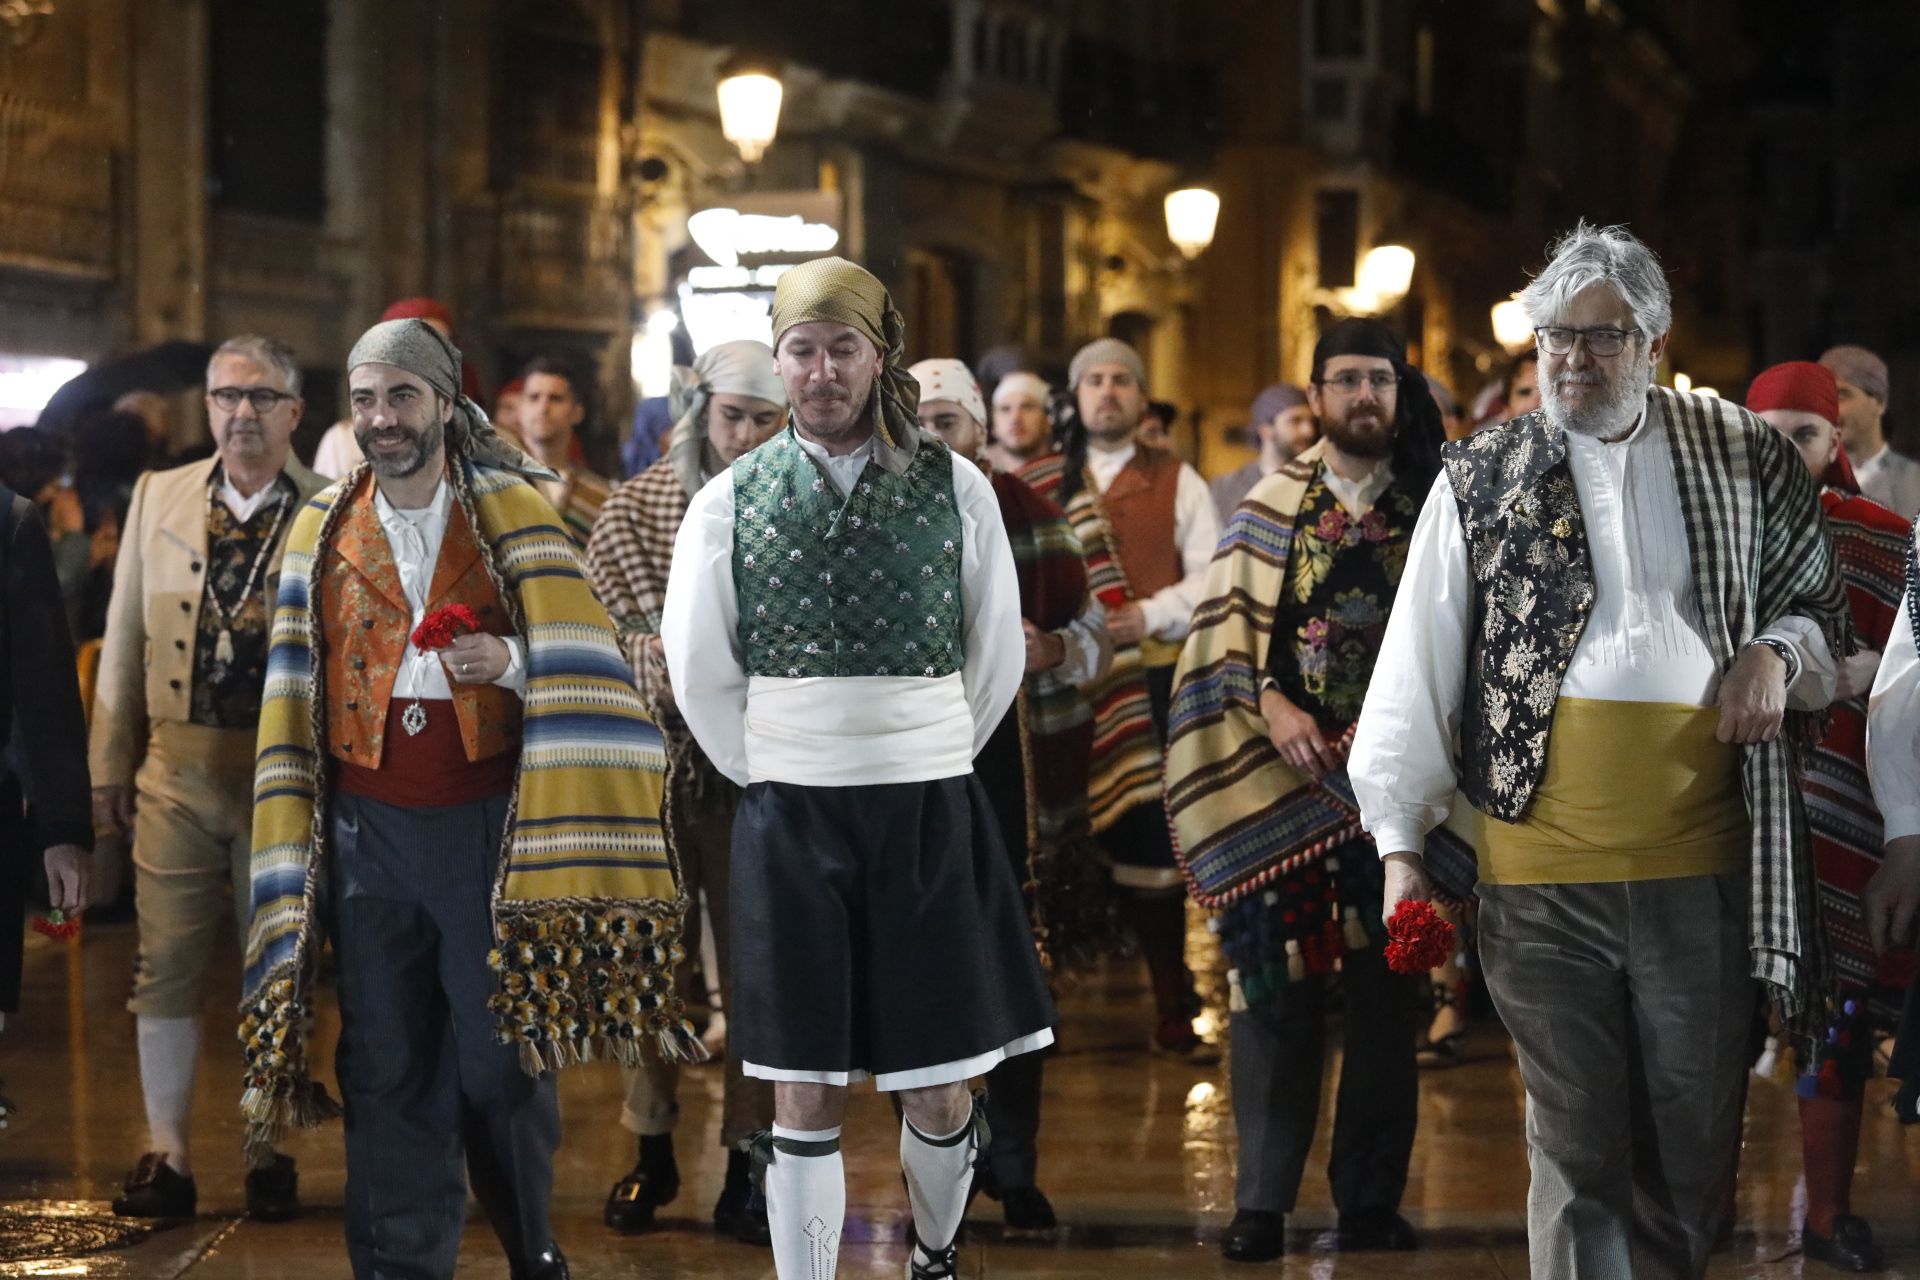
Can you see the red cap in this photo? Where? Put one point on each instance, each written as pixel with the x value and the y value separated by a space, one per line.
pixel 1797 384
pixel 419 309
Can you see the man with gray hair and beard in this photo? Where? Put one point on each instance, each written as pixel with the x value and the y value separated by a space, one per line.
pixel 1630 608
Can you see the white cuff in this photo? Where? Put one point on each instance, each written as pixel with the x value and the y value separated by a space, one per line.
pixel 515 676
pixel 1900 820
pixel 1400 835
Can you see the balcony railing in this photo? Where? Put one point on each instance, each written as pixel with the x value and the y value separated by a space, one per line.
pixel 56 190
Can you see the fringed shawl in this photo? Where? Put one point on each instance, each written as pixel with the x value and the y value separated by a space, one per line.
pixel 1242 817
pixel 1127 764
pixel 1069 889
pixel 587 904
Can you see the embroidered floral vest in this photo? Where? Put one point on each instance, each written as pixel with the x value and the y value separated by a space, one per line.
pixel 1533 589
pixel 865 587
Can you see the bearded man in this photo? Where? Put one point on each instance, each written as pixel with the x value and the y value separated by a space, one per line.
pixel 1283 428
pixel 1628 609
pixel 1270 683
pixel 728 404
pixel 1148 527
pixel 842 632
pixel 397 771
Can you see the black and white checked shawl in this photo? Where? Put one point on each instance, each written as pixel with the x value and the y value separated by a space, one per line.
pixel 1761 551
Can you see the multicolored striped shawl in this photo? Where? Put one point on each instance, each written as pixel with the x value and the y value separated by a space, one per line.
pixel 587 905
pixel 1242 817
pixel 1069 889
pixel 1127 762
pixel 1871 543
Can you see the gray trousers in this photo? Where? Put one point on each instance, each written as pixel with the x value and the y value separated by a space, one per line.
pixel 1630 1006
pixel 1278 1057
pixel 424 1081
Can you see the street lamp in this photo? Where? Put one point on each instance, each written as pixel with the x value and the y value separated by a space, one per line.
pixel 1192 215
pixel 1511 327
pixel 1385 274
pixel 750 109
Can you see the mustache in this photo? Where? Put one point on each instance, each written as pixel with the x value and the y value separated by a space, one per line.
pixel 1578 380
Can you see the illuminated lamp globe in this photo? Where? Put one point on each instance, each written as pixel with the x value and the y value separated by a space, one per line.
pixel 1511 327
pixel 1192 215
pixel 1386 272
pixel 750 112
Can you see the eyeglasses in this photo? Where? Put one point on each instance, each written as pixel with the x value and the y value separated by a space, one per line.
pixel 263 399
pixel 1556 340
pixel 1350 382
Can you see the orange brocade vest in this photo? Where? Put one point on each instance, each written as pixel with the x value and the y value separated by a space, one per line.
pixel 1140 507
pixel 367 622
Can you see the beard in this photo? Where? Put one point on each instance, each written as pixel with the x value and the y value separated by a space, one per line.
pixel 817 414
pixel 1614 405
pixel 424 445
pixel 1109 423
pixel 1364 431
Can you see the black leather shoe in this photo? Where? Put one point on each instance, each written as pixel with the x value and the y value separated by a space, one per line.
pixel 631 1203
pixel 741 1210
pixel 1378 1231
pixel 944 1265
pixel 273 1192
pixel 1849 1248
pixel 551 1265
pixel 154 1190
pixel 1254 1235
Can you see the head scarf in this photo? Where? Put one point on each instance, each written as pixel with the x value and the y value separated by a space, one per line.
pixel 1274 401
pixel 419 348
pixel 1417 429
pixel 950 380
pixel 1106 351
pixel 742 368
pixel 1030 385
pixel 840 292
pixel 1797 384
pixel 1859 366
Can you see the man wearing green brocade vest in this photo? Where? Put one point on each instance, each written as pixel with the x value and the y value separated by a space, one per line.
pixel 842 631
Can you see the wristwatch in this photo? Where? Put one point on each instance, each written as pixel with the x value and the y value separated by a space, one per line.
pixel 1785 650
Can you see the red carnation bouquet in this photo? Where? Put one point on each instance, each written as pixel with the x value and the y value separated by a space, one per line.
pixel 443 626
pixel 57 924
pixel 1417 938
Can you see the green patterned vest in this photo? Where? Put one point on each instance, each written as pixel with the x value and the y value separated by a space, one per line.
pixel 865 587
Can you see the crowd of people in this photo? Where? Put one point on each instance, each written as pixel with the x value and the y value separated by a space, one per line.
pixel 894 698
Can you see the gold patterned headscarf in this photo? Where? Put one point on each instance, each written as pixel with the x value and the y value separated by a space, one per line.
pixel 841 292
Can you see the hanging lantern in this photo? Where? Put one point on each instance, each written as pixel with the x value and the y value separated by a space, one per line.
pixel 1386 273
pixel 1192 215
pixel 750 110
pixel 1511 327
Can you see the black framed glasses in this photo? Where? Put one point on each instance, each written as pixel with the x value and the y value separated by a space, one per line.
pixel 1558 340
pixel 1350 382
pixel 263 399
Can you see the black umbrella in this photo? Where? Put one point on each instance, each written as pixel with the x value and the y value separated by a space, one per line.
pixel 163 368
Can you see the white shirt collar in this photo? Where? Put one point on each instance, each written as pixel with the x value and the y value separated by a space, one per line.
pixel 843 469
pixel 1106 463
pixel 1358 496
pixel 1875 461
pixel 435 512
pixel 243 505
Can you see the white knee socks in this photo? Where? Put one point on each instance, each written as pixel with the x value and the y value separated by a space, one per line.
pixel 169 1052
pixel 806 1202
pixel 939 1174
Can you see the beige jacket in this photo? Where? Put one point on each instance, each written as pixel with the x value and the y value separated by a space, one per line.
pixel 146 659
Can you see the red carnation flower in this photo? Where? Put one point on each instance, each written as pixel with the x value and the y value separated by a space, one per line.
pixel 56 924
pixel 443 626
pixel 1417 938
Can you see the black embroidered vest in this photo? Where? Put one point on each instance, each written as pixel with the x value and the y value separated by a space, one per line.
pixel 1533 590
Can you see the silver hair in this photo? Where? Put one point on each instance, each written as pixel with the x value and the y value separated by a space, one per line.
pixel 1589 255
pixel 261 350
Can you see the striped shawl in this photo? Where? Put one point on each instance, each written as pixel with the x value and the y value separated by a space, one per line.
pixel 1069 889
pixel 587 904
pixel 1761 551
pixel 1127 763
pixel 1242 817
